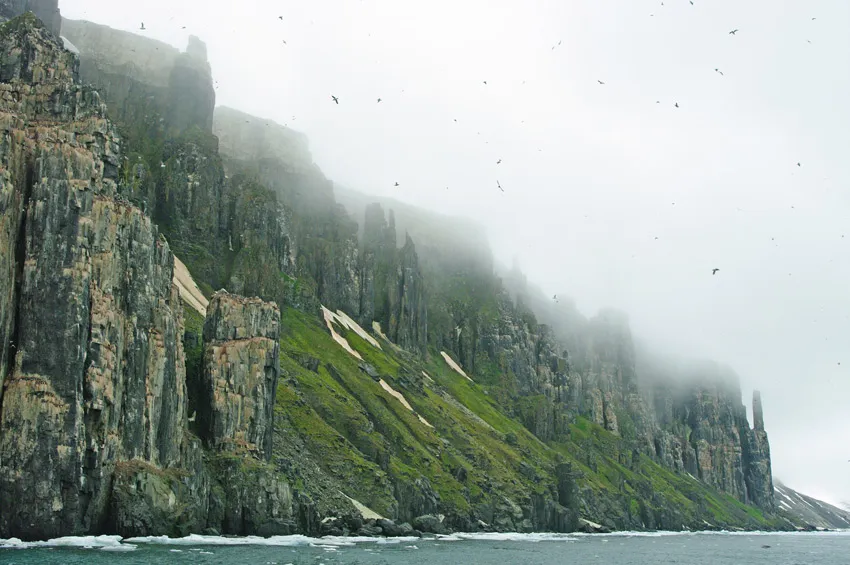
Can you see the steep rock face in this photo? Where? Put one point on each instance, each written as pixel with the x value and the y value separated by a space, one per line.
pixel 231 232
pixel 143 80
pixel 190 90
pixel 758 473
pixel 702 429
pixel 45 10
pixel 391 284
pixel 93 271
pixel 240 372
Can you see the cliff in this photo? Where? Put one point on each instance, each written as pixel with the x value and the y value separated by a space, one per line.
pixel 94 429
pixel 396 372
pixel 111 388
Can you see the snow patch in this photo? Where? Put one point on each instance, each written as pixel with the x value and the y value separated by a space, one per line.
pixel 400 397
pixel 376 327
pixel 393 392
pixel 330 318
pixel 365 511
pixel 451 363
pixel 346 321
pixel 69 46
pixel 189 291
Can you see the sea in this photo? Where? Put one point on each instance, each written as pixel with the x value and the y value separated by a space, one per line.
pixel 626 548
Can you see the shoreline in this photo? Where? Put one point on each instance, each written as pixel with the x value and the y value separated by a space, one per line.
pixel 118 543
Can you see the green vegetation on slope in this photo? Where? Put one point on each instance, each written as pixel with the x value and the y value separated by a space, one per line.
pixel 476 463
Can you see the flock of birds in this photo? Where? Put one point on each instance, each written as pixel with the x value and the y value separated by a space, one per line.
pixel 336 100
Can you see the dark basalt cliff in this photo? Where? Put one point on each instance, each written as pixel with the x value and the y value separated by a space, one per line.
pixel 93 417
pixel 129 408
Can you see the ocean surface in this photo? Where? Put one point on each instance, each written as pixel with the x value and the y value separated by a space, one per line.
pixel 822 548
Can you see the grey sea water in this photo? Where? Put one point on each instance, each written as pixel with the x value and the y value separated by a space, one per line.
pixel 826 548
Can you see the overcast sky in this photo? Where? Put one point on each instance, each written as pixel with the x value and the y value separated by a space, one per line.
pixel 611 193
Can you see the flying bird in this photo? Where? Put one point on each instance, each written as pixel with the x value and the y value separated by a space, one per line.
pixel 799 165
pixel 499 162
pixel 485 82
pixel 143 26
pixel 379 100
pixel 280 18
pixel 677 104
pixel 733 32
pixel 397 184
pixel 335 99
pixel 718 71
pixel 714 271
pixel 500 186
pixel 599 81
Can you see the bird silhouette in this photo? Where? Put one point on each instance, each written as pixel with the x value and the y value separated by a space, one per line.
pixel 714 271
pixel 599 81
pixel 143 26
pixel 335 99
pixel 799 165
pixel 485 82
pixel 500 186
pixel 379 100
pixel 499 162
pixel 397 184
pixel 677 104
pixel 733 32
pixel 280 18
pixel 718 71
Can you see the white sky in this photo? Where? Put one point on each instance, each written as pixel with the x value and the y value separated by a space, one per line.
pixel 591 172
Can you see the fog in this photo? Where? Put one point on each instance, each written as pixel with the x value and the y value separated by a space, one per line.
pixel 611 194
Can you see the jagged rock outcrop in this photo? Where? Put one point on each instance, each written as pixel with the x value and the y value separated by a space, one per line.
pixel 146 83
pixel 190 90
pixel 392 288
pixel 94 363
pixel 45 10
pixel 164 101
pixel 757 468
pixel 240 372
pixel 94 428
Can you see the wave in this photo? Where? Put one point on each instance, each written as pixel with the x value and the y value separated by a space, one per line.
pixel 105 543
pixel 506 536
pixel 332 543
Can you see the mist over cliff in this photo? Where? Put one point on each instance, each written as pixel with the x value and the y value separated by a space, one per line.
pixel 391 375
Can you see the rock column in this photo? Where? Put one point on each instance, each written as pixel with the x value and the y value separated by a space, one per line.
pixel 240 373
